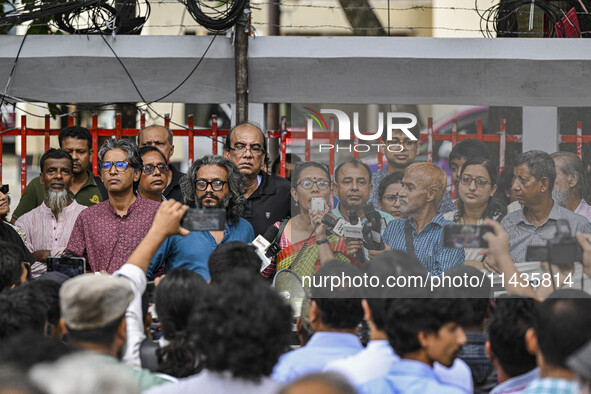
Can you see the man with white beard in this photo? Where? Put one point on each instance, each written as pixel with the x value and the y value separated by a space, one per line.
pixel 570 185
pixel 48 227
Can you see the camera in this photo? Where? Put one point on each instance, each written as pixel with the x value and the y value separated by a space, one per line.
pixel 67 265
pixel 562 249
pixel 465 235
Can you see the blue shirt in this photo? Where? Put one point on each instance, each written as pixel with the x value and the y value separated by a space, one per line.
pixel 322 348
pixel 408 377
pixel 552 386
pixel 428 244
pixel 517 383
pixel 193 250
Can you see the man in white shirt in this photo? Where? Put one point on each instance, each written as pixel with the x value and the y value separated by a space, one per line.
pixel 48 227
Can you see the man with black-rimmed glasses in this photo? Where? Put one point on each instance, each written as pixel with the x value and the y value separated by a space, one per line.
pixel 212 182
pixel 268 198
pixel 107 234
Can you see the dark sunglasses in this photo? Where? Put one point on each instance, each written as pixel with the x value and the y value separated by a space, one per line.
pixel 149 168
pixel 4 189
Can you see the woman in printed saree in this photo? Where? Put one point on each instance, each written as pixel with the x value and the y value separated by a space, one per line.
pixel 305 246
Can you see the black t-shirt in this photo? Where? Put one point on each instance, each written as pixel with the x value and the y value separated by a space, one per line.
pixel 174 189
pixel 269 203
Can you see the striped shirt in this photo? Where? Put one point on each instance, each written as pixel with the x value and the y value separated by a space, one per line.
pixel 428 244
pixel 44 232
pixel 523 234
pixel 552 386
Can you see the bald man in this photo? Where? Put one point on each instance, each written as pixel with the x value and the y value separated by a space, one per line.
pixel 423 187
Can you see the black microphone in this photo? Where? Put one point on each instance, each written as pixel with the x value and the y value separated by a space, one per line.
pixel 354 219
pixel 372 230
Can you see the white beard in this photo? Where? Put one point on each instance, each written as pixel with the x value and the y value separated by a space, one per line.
pixel 57 201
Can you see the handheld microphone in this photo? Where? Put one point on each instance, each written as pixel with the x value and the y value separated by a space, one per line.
pixel 372 230
pixel 354 220
pixel 266 249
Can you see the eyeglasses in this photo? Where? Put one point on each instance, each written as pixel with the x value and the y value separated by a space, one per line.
pixel 216 185
pixel 408 144
pixel 149 168
pixel 255 150
pixel 308 184
pixel 4 189
pixel 391 198
pixel 119 165
pixel 466 180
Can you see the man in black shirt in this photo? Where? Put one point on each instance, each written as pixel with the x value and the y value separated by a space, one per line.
pixel 268 196
pixel 161 138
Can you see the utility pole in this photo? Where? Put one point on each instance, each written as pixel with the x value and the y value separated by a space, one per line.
pixel 241 32
pixel 273 108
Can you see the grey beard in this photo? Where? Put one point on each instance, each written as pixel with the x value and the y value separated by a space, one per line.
pixel 57 201
pixel 224 203
pixel 559 196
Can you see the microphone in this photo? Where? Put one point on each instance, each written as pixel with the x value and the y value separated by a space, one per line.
pixel 354 221
pixel 372 230
pixel 266 249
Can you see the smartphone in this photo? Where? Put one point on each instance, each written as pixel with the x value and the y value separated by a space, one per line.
pixel 465 235
pixel 208 219
pixel 317 204
pixel 69 266
pixel 150 290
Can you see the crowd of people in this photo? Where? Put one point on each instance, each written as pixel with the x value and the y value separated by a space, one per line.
pixel 163 309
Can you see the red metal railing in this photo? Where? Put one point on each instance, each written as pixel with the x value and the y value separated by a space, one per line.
pixel 285 135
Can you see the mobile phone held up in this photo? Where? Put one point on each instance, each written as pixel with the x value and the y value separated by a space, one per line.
pixel 465 235
pixel 69 266
pixel 204 219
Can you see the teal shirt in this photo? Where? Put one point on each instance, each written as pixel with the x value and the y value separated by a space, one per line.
pixel 384 215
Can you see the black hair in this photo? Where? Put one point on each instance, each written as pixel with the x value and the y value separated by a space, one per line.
pixel 14 380
pixel 176 297
pixel 236 184
pixel 504 184
pixel 356 163
pixel 55 154
pixel 495 207
pixel 242 328
pixel 563 325
pixel 228 141
pixel 11 265
pixel 232 256
pixel 475 294
pixel 470 149
pixel 395 177
pixel 49 292
pixel 540 165
pixel 127 146
pixel 340 306
pixel 510 319
pixel 21 309
pixel 104 336
pixel 407 317
pixel 149 148
pixel 394 263
pixel 302 165
pixel 78 132
pixel 29 348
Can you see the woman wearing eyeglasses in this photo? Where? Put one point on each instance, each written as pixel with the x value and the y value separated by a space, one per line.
pixel 388 194
pixel 154 177
pixel 304 243
pixel 476 189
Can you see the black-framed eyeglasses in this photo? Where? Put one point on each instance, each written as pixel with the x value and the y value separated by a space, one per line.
pixel 119 165
pixel 466 180
pixel 149 168
pixel 309 184
pixel 216 185
pixel 4 189
pixel 255 150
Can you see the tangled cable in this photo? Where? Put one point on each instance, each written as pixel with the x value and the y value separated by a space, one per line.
pixel 504 18
pixel 215 18
pixel 82 16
